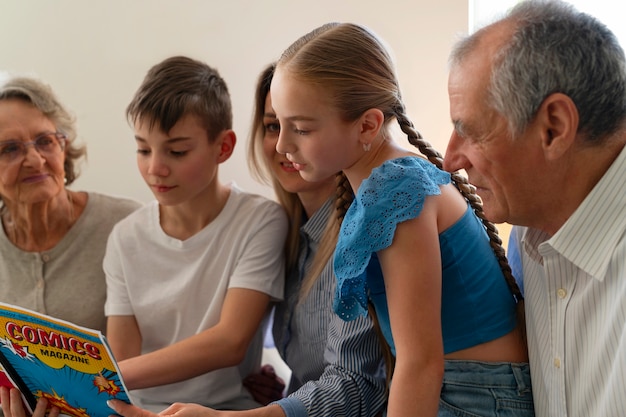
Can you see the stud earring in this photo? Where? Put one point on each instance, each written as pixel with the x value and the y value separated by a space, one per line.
pixel 367 147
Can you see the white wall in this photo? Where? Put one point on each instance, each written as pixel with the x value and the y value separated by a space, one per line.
pixel 482 12
pixel 95 54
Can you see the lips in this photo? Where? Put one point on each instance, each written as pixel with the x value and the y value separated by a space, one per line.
pixel 288 167
pixel 295 165
pixel 162 188
pixel 35 178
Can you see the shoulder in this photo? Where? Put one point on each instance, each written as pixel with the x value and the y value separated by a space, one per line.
pixel 139 217
pixel 112 206
pixel 394 192
pixel 412 171
pixel 254 204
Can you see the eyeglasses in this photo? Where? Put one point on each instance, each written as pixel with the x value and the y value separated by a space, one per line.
pixel 47 144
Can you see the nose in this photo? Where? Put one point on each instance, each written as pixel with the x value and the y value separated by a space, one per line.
pixel 455 159
pixel 156 166
pixel 283 144
pixel 32 155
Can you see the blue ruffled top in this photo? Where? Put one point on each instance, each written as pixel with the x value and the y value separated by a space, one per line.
pixel 477 305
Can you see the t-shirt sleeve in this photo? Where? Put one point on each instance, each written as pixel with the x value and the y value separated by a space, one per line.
pixel 117 301
pixel 261 265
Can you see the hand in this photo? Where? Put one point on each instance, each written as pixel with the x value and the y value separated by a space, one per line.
pixel 178 409
pixel 265 386
pixel 12 405
pixel 128 410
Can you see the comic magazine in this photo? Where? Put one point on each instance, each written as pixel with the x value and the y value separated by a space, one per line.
pixel 70 365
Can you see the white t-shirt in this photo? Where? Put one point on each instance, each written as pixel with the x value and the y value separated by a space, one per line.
pixel 175 289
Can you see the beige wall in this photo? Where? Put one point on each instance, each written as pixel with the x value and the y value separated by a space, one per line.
pixel 95 54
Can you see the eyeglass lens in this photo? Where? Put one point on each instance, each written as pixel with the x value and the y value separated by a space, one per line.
pixel 47 144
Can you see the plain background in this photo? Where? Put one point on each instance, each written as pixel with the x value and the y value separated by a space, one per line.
pixel 95 54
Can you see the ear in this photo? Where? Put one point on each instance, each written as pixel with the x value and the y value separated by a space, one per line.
pixel 226 140
pixel 558 123
pixel 370 124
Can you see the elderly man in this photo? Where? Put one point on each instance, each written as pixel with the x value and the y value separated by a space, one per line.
pixel 538 103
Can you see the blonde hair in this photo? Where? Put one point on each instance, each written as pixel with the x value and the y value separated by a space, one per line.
pixel 351 63
pixel 291 203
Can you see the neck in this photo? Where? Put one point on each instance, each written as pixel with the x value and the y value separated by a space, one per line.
pixel 381 151
pixel 314 199
pixel 184 220
pixel 580 175
pixel 39 227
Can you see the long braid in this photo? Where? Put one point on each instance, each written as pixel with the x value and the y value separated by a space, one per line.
pixel 469 193
pixel 344 196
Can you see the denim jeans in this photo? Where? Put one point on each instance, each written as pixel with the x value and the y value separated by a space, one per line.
pixel 486 389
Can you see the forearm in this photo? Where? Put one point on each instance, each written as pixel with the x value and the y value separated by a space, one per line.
pixel 220 346
pixel 415 391
pixel 189 358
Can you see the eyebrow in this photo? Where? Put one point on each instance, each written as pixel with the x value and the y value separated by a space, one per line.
pixel 459 127
pixel 300 119
pixel 38 135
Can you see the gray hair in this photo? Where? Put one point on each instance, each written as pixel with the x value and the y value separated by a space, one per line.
pixel 41 96
pixel 556 49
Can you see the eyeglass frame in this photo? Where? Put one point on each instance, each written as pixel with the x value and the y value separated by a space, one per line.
pixel 59 136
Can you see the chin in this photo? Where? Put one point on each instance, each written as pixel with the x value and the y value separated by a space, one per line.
pixel 310 177
pixel 494 215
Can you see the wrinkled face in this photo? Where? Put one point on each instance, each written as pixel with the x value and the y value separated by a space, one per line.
pixel 35 178
pixel 283 170
pixel 312 135
pixel 499 166
pixel 180 165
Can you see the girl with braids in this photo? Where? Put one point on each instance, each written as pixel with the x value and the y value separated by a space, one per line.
pixel 410 244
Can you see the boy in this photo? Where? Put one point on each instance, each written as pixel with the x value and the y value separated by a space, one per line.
pixel 190 276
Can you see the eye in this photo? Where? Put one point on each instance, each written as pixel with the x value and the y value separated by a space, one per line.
pixel 45 142
pixel 300 131
pixel 178 154
pixel 11 148
pixel 143 152
pixel 272 127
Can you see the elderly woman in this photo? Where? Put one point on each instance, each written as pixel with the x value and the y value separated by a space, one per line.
pixel 52 240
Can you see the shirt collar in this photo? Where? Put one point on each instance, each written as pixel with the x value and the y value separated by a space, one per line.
pixel 314 227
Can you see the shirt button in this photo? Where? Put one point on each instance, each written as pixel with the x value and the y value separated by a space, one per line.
pixel 561 292
pixel 557 362
pixel 40 283
pixel 45 258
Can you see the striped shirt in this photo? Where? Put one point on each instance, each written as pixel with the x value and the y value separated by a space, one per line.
pixel 336 365
pixel 575 287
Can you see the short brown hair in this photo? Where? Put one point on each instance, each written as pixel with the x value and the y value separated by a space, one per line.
pixel 179 86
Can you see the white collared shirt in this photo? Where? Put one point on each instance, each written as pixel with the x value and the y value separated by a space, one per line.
pixel 575 288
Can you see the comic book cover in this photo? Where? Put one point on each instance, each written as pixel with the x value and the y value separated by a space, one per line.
pixel 4 379
pixel 70 365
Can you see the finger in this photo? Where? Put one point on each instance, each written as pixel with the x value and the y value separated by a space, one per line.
pixel 268 370
pixel 40 408
pixel 5 400
pixel 54 412
pixel 17 407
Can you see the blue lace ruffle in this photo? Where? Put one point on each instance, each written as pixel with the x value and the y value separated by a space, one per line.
pixel 393 193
